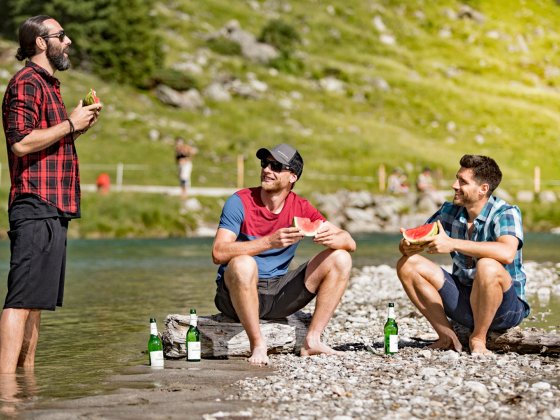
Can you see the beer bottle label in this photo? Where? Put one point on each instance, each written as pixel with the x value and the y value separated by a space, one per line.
pixel 156 358
pixel 393 343
pixel 193 350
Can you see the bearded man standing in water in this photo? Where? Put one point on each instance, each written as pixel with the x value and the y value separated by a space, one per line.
pixel 45 186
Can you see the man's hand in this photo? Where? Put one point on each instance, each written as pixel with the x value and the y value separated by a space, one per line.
pixel 83 117
pixel 408 249
pixel 441 243
pixel 285 237
pixel 333 237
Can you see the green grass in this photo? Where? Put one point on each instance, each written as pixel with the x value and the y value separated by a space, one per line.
pixel 479 80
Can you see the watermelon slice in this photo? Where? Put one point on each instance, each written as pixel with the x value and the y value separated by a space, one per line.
pixel 308 227
pixel 91 98
pixel 421 234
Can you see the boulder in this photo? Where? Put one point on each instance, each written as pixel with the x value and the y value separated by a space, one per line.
pixel 222 337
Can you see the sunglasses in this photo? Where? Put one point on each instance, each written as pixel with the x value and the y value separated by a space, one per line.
pixel 60 35
pixel 274 165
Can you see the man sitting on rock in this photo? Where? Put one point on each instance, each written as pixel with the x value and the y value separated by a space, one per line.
pixel 255 244
pixel 484 235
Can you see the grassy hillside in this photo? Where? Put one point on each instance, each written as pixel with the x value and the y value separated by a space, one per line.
pixel 446 86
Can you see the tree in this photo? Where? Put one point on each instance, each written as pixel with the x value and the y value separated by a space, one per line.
pixel 116 39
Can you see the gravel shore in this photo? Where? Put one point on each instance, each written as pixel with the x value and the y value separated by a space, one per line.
pixel 363 383
pixel 415 383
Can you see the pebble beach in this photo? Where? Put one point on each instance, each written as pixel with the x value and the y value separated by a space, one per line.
pixel 415 383
pixel 362 383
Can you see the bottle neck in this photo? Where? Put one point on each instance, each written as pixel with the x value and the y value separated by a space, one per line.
pixel 391 313
pixel 153 328
pixel 194 320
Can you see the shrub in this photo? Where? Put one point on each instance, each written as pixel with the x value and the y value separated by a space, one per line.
pixel 224 46
pixel 280 35
pixel 175 79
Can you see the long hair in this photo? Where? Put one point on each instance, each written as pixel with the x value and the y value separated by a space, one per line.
pixel 29 30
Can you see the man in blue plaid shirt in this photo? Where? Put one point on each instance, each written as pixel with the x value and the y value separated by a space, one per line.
pixel 484 236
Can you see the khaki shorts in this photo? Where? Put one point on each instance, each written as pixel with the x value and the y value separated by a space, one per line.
pixel 278 296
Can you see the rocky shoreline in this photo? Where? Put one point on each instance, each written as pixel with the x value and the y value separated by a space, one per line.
pixel 363 383
pixel 415 383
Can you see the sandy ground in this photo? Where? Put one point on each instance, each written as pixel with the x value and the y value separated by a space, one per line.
pixel 181 390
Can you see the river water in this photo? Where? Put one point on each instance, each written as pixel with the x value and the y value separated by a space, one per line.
pixel 115 286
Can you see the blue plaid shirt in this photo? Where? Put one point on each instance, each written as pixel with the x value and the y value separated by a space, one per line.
pixel 496 219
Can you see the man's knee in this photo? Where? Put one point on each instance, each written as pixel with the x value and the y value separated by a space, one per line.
pixel 341 259
pixel 242 271
pixel 407 266
pixel 490 271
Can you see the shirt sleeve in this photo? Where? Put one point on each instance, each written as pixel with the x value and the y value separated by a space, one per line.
pixel 23 110
pixel 233 215
pixel 509 222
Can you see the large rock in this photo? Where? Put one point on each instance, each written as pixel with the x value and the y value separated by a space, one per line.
pixel 250 47
pixel 191 99
pixel 222 337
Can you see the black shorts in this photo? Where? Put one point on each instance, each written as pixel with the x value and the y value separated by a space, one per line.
pixel 37 263
pixel 278 296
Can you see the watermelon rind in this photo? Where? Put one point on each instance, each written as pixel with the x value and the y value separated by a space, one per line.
pixel 300 222
pixel 411 235
pixel 91 98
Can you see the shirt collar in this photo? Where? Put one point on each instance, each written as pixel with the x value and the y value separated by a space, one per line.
pixel 486 210
pixel 44 73
pixel 483 215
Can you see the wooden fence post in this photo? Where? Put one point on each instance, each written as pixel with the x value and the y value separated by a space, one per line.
pixel 537 180
pixel 120 173
pixel 382 177
pixel 240 171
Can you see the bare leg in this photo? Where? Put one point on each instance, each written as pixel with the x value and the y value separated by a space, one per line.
pixel 490 283
pixel 30 339
pixel 12 331
pixel 241 277
pixel 421 280
pixel 327 274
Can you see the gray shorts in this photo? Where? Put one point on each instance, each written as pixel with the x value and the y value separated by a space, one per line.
pixel 278 296
pixel 457 305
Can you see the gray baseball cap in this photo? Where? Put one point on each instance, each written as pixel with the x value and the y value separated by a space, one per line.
pixel 286 154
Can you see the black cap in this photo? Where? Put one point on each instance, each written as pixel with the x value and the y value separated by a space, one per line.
pixel 286 154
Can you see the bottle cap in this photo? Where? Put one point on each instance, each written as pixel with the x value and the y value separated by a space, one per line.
pixel 391 305
pixel 193 311
pixel 152 320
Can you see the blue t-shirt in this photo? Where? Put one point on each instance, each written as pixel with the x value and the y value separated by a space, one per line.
pixel 245 215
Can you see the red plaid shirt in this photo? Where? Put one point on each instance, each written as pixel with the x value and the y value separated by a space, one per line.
pixel 33 101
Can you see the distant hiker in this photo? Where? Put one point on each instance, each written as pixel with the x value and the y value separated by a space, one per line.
pixel 428 198
pixel 184 154
pixel 397 183
pixel 103 183
pixel 484 236
pixel 255 244
pixel 45 190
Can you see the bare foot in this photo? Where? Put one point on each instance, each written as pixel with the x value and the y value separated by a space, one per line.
pixel 317 348
pixel 259 356
pixel 447 343
pixel 478 346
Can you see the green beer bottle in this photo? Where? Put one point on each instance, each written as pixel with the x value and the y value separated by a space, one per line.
pixel 391 331
pixel 193 339
pixel 155 346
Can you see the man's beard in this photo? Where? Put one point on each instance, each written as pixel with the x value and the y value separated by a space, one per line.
pixel 56 57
